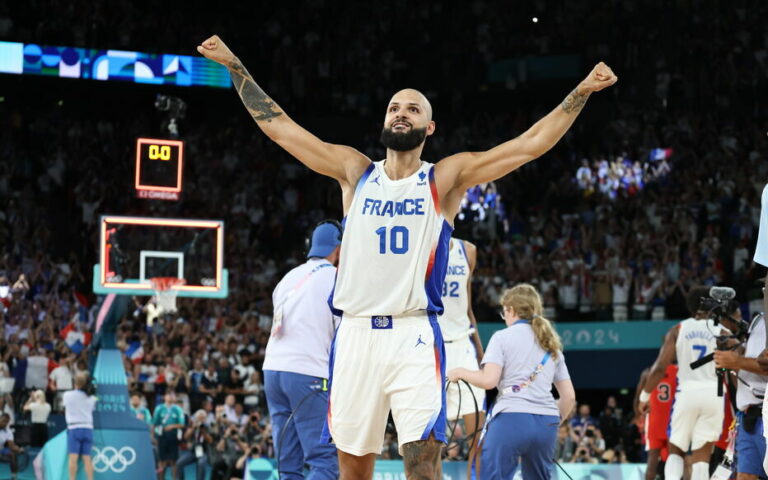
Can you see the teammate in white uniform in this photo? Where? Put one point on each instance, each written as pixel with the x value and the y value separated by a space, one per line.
pixel 697 413
pixel 463 348
pixel 388 353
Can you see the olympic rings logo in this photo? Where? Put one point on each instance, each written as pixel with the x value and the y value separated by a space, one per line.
pixel 110 458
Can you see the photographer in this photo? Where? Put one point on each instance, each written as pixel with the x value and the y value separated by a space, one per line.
pixel 254 451
pixel 697 419
pixel 78 411
pixel 227 449
pixel 197 438
pixel 750 443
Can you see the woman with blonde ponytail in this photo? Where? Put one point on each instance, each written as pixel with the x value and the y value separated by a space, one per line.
pixel 523 360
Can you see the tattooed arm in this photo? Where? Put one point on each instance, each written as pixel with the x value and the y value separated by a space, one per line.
pixel 343 163
pixel 458 172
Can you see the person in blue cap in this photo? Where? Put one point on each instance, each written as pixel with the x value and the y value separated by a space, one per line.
pixel 296 361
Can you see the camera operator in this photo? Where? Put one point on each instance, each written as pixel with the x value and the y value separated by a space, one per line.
pixel 197 438
pixel 78 411
pixel 697 419
pixel 750 443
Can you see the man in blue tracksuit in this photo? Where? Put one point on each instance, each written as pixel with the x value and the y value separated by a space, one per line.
pixel 296 361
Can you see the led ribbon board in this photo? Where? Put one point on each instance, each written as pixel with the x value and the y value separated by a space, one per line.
pixel 119 65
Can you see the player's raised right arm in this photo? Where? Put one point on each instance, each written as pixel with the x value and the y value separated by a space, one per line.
pixel 337 161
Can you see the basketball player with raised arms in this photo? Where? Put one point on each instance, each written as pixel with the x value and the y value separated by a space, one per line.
pixel 388 353
pixel 463 348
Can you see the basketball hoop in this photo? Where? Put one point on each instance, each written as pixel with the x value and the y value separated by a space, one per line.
pixel 165 293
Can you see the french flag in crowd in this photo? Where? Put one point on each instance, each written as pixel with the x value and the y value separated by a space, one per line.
pixel 658 154
pixel 135 352
pixel 74 338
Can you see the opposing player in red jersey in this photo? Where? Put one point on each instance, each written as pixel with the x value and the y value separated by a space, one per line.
pixel 657 419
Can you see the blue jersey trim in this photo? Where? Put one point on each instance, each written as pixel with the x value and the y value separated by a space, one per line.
pixel 434 283
pixel 438 423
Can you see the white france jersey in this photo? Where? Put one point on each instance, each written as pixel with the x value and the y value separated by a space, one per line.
pixel 695 339
pixel 454 322
pixel 394 251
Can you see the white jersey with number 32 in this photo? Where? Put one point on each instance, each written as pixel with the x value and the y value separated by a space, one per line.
pixel 454 322
pixel 395 246
pixel 696 339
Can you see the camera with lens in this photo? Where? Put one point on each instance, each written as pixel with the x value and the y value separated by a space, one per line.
pixel 720 305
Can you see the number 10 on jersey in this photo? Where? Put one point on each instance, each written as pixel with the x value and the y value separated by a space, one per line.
pixel 398 240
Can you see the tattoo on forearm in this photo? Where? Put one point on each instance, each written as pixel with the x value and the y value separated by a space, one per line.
pixel 574 102
pixel 258 103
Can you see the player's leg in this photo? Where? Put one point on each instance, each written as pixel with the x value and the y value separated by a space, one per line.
pixel 706 432
pixel 681 424
pixel 284 436
pixel 652 466
pixel 414 385
pixel 358 407
pixel 422 459
pixel 354 467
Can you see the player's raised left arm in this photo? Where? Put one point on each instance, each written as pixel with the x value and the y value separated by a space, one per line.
pixel 471 250
pixel 474 168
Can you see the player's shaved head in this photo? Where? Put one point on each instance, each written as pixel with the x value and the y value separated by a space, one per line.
pixel 413 96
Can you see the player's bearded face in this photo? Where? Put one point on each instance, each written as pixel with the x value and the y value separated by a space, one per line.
pixel 402 139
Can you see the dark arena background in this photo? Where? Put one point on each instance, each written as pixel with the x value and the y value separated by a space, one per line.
pixel 119 143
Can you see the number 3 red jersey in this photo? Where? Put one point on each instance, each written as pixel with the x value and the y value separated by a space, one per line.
pixel 660 405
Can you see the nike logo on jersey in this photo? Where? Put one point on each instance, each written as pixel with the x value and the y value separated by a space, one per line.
pixel 409 206
pixel 419 342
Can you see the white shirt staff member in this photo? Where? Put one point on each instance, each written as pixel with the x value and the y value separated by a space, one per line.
pixel 296 360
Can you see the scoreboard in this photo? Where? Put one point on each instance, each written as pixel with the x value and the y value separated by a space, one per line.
pixel 159 167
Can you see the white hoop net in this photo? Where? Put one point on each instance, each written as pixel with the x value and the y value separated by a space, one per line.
pixel 165 293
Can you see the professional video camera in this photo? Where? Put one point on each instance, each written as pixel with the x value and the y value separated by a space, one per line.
pixel 720 305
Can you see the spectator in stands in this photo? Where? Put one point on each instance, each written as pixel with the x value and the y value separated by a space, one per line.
pixel 581 422
pixel 39 410
pixel 62 380
pixel 9 451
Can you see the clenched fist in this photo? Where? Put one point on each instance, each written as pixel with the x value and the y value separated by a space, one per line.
pixel 599 78
pixel 215 49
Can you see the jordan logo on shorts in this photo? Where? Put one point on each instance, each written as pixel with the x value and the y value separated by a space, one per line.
pixel 419 342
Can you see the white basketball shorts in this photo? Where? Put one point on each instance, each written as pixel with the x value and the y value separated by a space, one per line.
pixel 461 353
pixel 697 418
pixel 380 364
